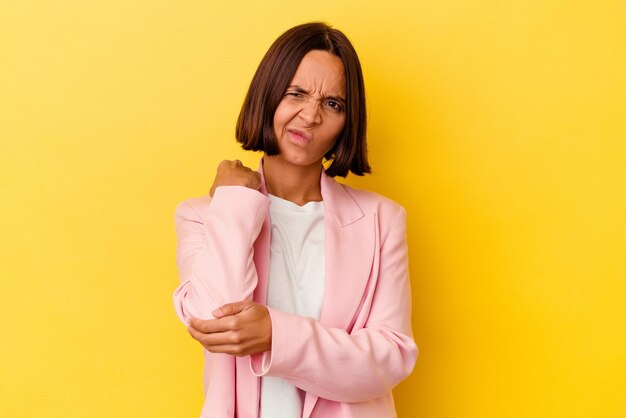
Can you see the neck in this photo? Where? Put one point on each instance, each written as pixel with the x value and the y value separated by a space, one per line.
pixel 290 182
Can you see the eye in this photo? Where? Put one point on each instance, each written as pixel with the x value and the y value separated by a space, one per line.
pixel 334 105
pixel 293 94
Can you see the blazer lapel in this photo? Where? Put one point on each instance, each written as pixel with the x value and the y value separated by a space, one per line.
pixel 350 247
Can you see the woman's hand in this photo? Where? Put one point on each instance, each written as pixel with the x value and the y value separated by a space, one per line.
pixel 234 173
pixel 241 328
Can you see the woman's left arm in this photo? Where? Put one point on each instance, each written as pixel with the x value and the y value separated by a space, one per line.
pixel 326 361
pixel 350 367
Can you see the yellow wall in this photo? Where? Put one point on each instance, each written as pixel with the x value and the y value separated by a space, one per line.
pixel 499 125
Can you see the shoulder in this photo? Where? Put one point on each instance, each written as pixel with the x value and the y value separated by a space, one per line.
pixel 391 216
pixel 387 210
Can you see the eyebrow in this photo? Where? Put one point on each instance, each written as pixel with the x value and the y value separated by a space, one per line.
pixel 302 90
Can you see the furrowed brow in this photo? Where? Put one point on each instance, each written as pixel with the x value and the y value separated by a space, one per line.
pixel 336 99
pixel 297 88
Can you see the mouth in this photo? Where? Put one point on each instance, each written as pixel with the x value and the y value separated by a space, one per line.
pixel 299 136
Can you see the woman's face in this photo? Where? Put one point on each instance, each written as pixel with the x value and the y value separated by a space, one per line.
pixel 312 113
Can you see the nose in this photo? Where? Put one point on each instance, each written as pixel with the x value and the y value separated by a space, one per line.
pixel 311 112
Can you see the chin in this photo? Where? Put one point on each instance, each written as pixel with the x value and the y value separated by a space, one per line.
pixel 300 160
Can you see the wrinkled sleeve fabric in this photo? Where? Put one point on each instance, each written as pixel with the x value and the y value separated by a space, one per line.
pixel 215 250
pixel 358 366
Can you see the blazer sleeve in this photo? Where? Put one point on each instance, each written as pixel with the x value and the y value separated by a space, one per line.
pixel 215 250
pixel 350 367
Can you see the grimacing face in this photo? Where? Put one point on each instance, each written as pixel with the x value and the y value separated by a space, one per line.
pixel 312 112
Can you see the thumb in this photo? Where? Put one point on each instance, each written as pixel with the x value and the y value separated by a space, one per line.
pixel 230 309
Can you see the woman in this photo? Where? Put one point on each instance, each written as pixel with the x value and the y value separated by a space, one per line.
pixel 297 286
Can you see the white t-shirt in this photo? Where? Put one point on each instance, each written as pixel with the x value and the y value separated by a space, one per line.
pixel 296 285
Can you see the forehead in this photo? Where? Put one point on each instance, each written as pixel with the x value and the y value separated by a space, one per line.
pixel 321 71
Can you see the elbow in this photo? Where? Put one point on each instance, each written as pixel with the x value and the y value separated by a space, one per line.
pixel 399 365
pixel 409 358
pixel 403 367
pixel 179 298
pixel 189 303
pixel 400 358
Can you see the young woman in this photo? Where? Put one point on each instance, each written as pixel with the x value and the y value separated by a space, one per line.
pixel 296 285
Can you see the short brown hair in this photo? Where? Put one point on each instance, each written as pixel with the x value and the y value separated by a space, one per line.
pixel 255 128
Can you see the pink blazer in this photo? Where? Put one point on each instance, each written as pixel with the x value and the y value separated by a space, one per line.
pixel 361 347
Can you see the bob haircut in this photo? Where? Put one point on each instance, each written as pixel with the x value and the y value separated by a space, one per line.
pixel 255 125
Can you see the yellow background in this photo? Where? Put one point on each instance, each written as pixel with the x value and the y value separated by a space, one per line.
pixel 498 125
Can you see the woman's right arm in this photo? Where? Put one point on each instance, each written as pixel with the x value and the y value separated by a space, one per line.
pixel 215 238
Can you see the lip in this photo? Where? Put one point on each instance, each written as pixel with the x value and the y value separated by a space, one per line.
pixel 299 136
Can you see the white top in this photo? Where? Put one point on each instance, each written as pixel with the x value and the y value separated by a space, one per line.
pixel 296 285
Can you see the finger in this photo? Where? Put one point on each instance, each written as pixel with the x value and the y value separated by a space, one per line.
pixel 211 339
pixel 221 342
pixel 230 309
pixel 234 350
pixel 238 163
pixel 211 325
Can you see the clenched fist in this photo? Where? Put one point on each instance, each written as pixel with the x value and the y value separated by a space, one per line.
pixel 234 173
